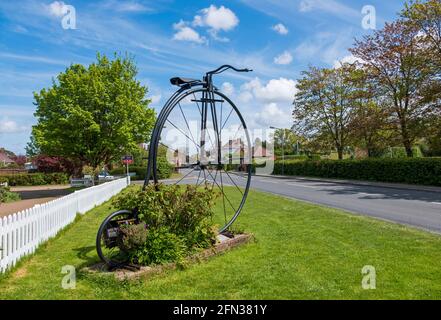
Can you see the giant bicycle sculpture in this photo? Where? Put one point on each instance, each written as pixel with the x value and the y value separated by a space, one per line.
pixel 203 122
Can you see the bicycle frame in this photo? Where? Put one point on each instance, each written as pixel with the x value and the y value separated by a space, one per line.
pixel 207 101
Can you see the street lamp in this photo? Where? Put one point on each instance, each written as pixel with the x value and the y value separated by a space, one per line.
pixel 283 148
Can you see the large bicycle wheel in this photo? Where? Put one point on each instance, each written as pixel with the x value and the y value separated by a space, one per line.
pixel 108 239
pixel 205 137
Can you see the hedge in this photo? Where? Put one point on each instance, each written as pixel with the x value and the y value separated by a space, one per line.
pixel 424 171
pixel 35 179
pixel 165 170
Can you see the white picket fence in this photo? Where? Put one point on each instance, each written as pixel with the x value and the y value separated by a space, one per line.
pixel 21 233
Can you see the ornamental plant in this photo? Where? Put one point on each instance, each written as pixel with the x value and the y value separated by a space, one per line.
pixel 175 221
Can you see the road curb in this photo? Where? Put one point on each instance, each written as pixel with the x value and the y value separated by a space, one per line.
pixel 360 183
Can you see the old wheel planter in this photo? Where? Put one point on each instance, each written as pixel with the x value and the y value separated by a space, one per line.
pixel 208 137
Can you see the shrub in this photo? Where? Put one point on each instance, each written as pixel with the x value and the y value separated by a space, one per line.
pixel 133 236
pixel 165 170
pixel 171 213
pixel 36 179
pixel 7 196
pixel 48 164
pixel 425 171
pixel 293 157
pixel 161 246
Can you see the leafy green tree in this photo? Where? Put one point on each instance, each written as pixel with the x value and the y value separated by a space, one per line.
pixel 323 106
pixel 425 16
pixel 287 139
pixel 93 114
pixel 368 126
pixel 32 150
pixel 395 60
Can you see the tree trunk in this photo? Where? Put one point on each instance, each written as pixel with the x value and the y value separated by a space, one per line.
pixel 340 153
pixel 408 147
pixel 406 140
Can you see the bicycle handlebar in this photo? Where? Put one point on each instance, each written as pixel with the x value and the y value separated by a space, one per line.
pixel 226 67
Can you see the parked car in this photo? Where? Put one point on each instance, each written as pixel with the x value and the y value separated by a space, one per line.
pixel 104 175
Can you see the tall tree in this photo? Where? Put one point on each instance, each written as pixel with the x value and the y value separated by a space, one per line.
pixel 286 139
pixel 93 114
pixel 368 126
pixel 426 17
pixel 322 106
pixel 393 58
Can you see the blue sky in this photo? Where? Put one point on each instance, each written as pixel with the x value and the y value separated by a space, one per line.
pixel 278 39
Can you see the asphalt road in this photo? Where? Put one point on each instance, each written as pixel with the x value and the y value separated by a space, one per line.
pixel 420 209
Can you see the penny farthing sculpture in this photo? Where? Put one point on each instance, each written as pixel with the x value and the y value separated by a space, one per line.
pixel 205 136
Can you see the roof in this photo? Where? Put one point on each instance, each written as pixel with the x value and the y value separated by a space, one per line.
pixel 5 159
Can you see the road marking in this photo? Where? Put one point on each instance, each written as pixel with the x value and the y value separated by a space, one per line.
pixel 370 194
pixel 301 185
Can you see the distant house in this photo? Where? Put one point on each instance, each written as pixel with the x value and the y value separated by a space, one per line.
pixel 5 160
pixel 261 154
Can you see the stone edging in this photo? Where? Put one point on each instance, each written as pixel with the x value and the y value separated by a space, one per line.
pixel 224 244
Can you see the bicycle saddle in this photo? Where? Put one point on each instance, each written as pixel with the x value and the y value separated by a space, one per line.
pixel 178 81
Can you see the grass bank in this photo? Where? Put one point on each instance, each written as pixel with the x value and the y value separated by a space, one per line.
pixel 302 251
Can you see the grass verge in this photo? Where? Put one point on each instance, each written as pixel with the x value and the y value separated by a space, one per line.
pixel 302 251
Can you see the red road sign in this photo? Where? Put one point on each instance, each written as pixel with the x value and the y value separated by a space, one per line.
pixel 127 159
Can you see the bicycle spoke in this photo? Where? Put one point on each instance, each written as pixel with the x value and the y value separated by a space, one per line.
pixel 223 198
pixel 212 186
pixel 224 194
pixel 184 177
pixel 185 119
pixel 234 183
pixel 227 118
pixel 200 112
pixel 196 100
pixel 197 146
pixel 197 182
pixel 237 174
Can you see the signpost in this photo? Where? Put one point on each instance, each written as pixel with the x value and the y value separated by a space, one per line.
pixel 127 160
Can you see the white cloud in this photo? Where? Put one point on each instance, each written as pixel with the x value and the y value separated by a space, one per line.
pixel 216 18
pixel 280 28
pixel 273 115
pixel 324 47
pixel 284 58
pixel 275 90
pixel 351 59
pixel 185 33
pixel 306 5
pixel 10 126
pixel 265 104
pixel 156 98
pixel 329 6
pixel 57 8
pixel 131 6
pixel 228 88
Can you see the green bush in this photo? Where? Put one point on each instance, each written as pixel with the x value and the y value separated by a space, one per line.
pixel 165 170
pixel 132 236
pixel 171 213
pixel 8 196
pixel 293 157
pixel 161 246
pixel 35 179
pixel 424 171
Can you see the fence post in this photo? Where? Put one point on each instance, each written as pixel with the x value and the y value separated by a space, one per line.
pixel 21 233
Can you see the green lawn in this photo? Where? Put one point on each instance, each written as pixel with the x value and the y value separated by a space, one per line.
pixel 302 251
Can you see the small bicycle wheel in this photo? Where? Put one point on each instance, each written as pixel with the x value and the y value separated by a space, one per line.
pixel 205 137
pixel 109 237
